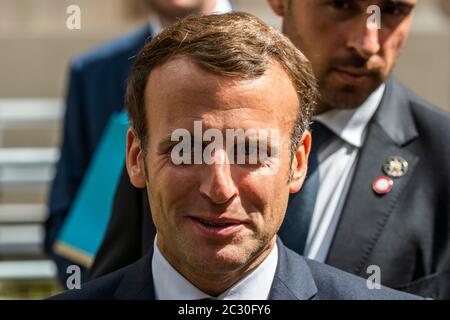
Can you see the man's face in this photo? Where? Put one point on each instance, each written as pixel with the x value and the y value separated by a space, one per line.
pixel 186 199
pixel 177 8
pixel 350 59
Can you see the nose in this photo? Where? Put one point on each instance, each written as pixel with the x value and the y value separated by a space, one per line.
pixel 365 41
pixel 217 182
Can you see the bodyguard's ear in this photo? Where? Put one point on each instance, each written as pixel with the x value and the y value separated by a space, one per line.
pixel 135 160
pixel 278 6
pixel 299 165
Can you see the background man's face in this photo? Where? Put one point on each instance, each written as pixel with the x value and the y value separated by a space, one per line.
pixel 179 93
pixel 177 8
pixel 349 60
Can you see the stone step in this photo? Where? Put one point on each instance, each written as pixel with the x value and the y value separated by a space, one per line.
pixel 21 240
pixel 17 213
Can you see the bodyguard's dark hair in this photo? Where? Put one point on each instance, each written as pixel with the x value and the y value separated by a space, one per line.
pixel 236 45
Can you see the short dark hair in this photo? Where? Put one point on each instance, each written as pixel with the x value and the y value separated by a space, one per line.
pixel 235 44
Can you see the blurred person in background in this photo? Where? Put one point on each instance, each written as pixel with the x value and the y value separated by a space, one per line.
pixel 96 90
pixel 382 198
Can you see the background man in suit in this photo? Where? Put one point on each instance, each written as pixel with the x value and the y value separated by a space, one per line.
pixel 368 126
pixel 96 90
pixel 381 198
pixel 217 218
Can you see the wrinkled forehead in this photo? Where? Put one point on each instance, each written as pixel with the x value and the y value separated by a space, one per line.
pixel 179 92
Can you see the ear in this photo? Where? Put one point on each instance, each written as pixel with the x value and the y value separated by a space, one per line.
pixel 135 160
pixel 299 165
pixel 278 6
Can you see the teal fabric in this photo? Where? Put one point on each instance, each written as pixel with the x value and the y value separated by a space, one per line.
pixel 88 218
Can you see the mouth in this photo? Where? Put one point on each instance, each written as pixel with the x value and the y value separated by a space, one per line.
pixel 353 77
pixel 216 227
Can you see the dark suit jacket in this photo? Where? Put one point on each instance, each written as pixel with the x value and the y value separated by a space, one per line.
pixel 405 232
pixel 96 90
pixel 296 278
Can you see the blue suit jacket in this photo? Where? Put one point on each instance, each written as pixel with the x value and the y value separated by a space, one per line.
pixel 296 278
pixel 96 90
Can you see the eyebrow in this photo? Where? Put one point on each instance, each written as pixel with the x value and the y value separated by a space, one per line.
pixel 402 3
pixel 165 143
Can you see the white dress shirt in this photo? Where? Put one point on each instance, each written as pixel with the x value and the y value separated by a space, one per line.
pixel 169 284
pixel 337 161
pixel 222 6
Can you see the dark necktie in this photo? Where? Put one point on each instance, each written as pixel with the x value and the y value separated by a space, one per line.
pixel 294 230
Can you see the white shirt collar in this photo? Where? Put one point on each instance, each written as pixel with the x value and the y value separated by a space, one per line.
pixel 350 125
pixel 169 284
pixel 222 6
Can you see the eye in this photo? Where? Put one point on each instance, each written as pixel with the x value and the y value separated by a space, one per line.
pixel 341 9
pixel 396 9
pixel 246 152
pixel 339 4
pixel 249 150
pixel 242 148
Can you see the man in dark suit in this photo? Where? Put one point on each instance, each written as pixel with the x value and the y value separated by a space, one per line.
pixel 380 199
pixel 96 90
pixel 219 163
pixel 296 278
pixel 392 211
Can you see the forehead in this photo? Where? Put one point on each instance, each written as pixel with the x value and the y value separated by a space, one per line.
pixel 362 3
pixel 370 2
pixel 179 92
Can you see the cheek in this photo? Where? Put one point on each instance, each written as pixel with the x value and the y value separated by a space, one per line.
pixel 253 192
pixel 264 198
pixel 392 46
pixel 332 42
pixel 396 45
pixel 390 53
pixel 170 184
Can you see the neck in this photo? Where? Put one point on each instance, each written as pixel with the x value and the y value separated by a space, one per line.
pixel 214 283
pixel 207 8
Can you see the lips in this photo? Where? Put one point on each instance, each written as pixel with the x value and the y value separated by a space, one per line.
pixel 216 227
pixel 213 223
pixel 354 77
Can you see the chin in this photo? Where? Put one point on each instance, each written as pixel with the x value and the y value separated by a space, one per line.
pixel 223 261
pixel 345 97
pixel 340 95
pixel 227 259
pixel 183 4
pixel 345 101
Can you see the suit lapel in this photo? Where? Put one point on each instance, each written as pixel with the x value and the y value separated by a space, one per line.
pixel 293 279
pixel 137 282
pixel 365 213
